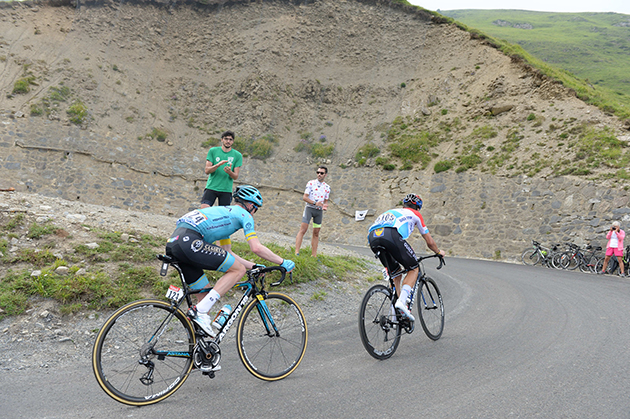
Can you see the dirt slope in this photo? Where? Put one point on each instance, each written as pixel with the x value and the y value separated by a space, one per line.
pixel 337 73
pixel 273 67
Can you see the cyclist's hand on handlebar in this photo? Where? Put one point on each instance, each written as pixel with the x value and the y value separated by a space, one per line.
pixel 287 264
pixel 442 253
pixel 258 266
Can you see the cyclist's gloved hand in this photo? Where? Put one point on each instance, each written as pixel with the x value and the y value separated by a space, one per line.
pixel 287 264
pixel 258 266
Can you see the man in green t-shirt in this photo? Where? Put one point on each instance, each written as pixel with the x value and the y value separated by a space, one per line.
pixel 222 165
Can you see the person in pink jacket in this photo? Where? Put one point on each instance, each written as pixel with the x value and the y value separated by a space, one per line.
pixel 615 247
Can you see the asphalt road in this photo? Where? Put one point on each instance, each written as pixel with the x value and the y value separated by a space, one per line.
pixel 519 342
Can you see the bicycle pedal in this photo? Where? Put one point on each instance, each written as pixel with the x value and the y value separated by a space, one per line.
pixel 206 370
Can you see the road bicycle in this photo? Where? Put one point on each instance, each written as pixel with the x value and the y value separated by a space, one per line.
pixel 147 349
pixel 381 325
pixel 540 254
pixel 585 259
pixel 557 253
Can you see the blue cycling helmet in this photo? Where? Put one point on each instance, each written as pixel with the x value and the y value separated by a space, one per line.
pixel 413 201
pixel 247 193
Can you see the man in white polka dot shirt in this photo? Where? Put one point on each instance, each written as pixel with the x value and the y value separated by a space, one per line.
pixel 316 196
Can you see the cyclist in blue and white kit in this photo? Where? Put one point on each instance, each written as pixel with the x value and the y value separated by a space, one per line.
pixel 391 231
pixel 192 245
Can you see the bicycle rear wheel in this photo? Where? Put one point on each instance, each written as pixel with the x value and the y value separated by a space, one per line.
pixel 272 337
pixel 431 309
pixel 143 352
pixel 588 265
pixel 613 266
pixel 555 260
pixel 530 257
pixel 378 327
pixel 569 260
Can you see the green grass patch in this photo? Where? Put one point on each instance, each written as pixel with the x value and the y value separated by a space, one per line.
pixel 469 161
pixel 442 166
pixel 35 257
pixel 367 151
pixel 317 149
pixel 157 134
pixel 587 52
pixel 23 85
pixel 15 222
pixel 77 112
pixel 122 269
pixel 485 132
pixel 319 296
pixel 211 142
pixel 322 150
pixel 36 231
pixel 257 147
pixel 59 93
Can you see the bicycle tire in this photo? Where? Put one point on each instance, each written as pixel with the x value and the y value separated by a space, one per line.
pixel 587 265
pixel 267 353
pixel 569 261
pixel 378 328
pixel 530 257
pixel 555 260
pixel 599 265
pixel 613 265
pixel 118 348
pixel 431 309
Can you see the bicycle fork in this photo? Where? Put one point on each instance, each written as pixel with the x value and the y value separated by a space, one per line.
pixel 265 315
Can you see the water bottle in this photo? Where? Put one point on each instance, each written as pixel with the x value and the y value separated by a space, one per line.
pixel 222 316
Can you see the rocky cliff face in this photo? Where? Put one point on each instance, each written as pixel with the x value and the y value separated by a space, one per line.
pixel 102 81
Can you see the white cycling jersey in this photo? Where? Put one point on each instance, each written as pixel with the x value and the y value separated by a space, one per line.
pixel 405 220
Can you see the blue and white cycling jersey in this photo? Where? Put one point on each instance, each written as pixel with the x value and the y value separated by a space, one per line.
pixel 218 223
pixel 405 220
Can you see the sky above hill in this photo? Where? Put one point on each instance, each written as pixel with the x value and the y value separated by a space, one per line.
pixel 619 6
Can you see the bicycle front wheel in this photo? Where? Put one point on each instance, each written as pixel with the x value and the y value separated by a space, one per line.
pixel 530 257
pixel 143 352
pixel 431 309
pixel 378 327
pixel 272 337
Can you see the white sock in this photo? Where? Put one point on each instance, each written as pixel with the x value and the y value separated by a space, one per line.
pixel 405 292
pixel 208 301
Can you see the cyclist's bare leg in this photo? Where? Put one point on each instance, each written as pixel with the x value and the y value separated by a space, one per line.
pixel 410 279
pixel 300 236
pixel 223 285
pixel 315 241
pixel 397 284
pixel 230 278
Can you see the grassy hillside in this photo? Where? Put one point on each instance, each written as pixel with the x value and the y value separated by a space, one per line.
pixel 593 46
